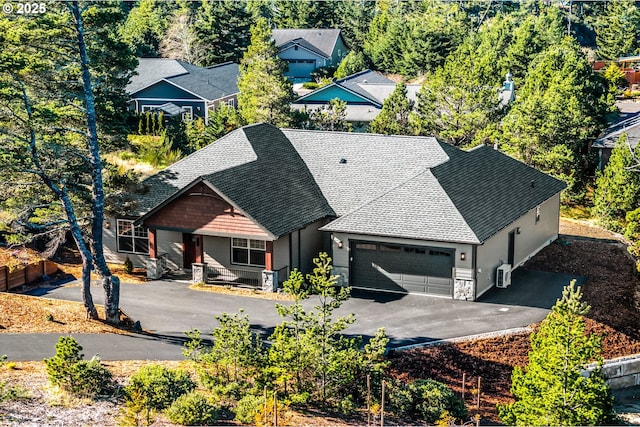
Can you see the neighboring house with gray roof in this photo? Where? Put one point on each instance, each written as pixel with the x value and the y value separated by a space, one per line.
pixel 306 49
pixel 178 88
pixel 628 124
pixel 364 92
pixel 397 213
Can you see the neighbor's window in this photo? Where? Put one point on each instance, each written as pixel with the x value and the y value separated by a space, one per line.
pixel 537 214
pixel 248 252
pixel 132 238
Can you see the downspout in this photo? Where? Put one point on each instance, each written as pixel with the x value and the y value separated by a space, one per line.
pixel 290 254
pixel 299 251
pixel 474 265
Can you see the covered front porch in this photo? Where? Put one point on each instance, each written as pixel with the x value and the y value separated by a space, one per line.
pixel 247 261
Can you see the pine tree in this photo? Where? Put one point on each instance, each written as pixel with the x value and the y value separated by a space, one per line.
pixel 331 117
pixel 265 93
pixel 394 117
pixel 552 390
pixel 294 14
pixel 617 187
pixel 221 31
pixel 352 63
pixel 145 27
pixel 618 30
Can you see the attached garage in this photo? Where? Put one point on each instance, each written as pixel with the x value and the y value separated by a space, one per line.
pixel 402 268
pixel 300 67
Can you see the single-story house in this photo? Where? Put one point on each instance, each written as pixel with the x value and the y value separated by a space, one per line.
pixel 364 92
pixel 306 49
pixel 396 213
pixel 178 88
pixel 628 123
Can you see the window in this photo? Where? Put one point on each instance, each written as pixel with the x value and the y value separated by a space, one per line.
pixel 366 246
pixel 146 108
pixel 132 238
pixel 537 214
pixel 231 102
pixel 248 252
pixel 187 112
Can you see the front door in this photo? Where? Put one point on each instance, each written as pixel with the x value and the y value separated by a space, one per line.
pixel 191 249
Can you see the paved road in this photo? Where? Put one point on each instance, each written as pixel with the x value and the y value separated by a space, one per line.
pixel 167 309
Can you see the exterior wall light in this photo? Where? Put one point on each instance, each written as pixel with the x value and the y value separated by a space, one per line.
pixel 463 256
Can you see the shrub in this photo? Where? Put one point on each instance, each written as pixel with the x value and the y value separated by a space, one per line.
pixel 425 399
pixel 249 408
pixel 128 266
pixel 192 409
pixel 159 387
pixel 310 85
pixel 67 370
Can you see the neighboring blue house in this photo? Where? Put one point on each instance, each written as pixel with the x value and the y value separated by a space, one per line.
pixel 304 50
pixel 364 93
pixel 179 88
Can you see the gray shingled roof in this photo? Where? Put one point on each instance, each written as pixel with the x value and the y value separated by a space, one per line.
pixel 412 187
pixel 630 125
pixel 491 190
pixel 150 70
pixel 209 83
pixel 324 39
pixel 255 167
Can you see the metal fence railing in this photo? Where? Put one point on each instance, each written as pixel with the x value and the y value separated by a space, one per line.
pixel 283 275
pixel 234 277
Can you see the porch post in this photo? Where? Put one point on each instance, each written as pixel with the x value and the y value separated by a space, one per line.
pixel 153 248
pixel 268 256
pixel 269 277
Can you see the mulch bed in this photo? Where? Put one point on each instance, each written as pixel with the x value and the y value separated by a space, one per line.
pixel 612 290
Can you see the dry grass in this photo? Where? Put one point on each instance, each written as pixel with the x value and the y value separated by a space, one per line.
pixel 27 314
pixel 229 290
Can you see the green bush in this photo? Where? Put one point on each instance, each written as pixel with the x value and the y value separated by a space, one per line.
pixel 157 386
pixel 310 85
pixel 128 266
pixel 67 370
pixel 192 409
pixel 249 407
pixel 426 400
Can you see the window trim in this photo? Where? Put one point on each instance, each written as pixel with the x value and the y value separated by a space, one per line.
pixel 133 236
pixel 186 109
pixel 537 214
pixel 249 249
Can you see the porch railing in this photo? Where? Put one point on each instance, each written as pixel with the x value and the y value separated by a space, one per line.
pixel 234 277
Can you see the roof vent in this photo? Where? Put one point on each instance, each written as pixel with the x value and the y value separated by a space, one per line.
pixel 343 161
pixel 533 183
pixel 365 81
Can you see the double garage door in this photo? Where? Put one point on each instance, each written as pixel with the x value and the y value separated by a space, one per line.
pixel 401 268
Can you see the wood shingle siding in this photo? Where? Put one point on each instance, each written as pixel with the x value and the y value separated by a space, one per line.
pixel 203 210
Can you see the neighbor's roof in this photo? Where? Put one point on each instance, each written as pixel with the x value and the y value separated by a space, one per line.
pixel 209 83
pixel 319 40
pixel 630 124
pixel 411 187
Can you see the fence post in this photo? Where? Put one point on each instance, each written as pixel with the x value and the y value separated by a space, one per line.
pixel 478 404
pixel 464 380
pixel 368 400
pixel 382 407
pixel 275 408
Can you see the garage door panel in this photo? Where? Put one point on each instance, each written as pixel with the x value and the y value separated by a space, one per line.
pixel 402 268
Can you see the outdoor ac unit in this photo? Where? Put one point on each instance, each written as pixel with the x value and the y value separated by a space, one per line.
pixel 503 276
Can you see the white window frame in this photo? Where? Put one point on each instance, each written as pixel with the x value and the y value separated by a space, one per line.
pixel 188 114
pixel 250 245
pixel 231 102
pixel 146 108
pixel 537 214
pixel 137 233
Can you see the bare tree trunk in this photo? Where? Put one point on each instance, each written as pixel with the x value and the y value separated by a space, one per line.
pixel 87 299
pixel 111 284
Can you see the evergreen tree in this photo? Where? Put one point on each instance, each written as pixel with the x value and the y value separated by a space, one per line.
pixel 618 30
pixel 265 93
pixel 394 117
pixel 294 14
pixel 145 27
pixel 331 117
pixel 455 103
pixel 351 64
pixel 617 187
pixel 63 75
pixel 562 102
pixel 221 31
pixel 354 18
pixel 552 389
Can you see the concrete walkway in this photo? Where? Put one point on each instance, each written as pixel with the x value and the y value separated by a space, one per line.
pixel 167 309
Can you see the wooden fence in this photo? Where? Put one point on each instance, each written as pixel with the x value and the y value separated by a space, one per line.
pixel 23 275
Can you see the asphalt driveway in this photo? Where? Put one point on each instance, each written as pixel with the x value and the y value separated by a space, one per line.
pixel 167 309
